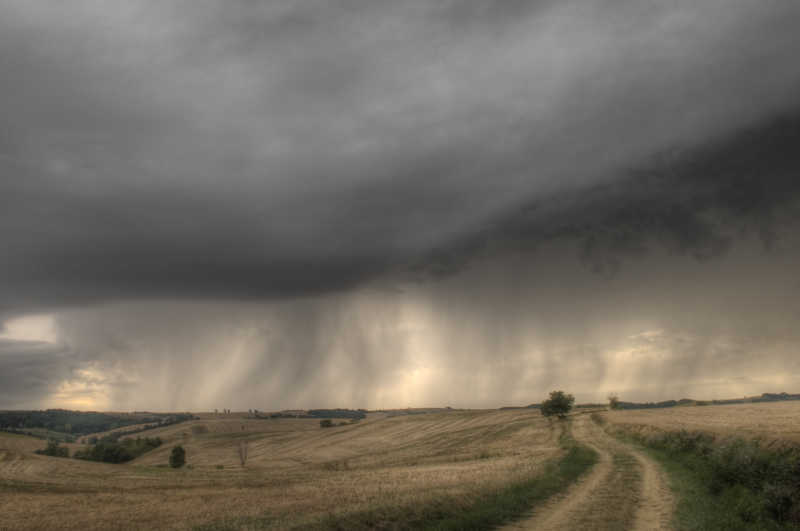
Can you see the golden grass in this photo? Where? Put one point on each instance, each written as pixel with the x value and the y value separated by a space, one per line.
pixel 296 471
pixel 771 421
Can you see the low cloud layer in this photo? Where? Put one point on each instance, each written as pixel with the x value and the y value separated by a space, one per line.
pixel 32 370
pixel 339 202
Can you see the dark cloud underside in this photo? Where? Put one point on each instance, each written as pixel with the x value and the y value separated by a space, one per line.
pixel 280 149
pixel 394 193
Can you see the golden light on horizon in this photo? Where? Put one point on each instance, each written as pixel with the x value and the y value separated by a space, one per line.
pixel 38 327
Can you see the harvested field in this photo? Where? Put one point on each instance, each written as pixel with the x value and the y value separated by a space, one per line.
pixel 296 473
pixel 771 421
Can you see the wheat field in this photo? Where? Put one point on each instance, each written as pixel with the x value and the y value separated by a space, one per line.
pixel 296 473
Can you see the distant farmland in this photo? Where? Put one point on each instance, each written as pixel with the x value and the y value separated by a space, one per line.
pixel 768 420
pixel 396 470
pixel 296 474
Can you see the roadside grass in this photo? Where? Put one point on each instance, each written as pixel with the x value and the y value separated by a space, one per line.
pixel 485 510
pixel 735 509
pixel 729 486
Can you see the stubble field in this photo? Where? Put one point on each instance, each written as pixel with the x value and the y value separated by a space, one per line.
pixel 296 475
pixel 772 422
pixel 385 471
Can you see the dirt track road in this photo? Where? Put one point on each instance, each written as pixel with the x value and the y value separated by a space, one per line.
pixel 624 490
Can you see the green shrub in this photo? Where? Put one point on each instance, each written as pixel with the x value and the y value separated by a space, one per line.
pixel 558 404
pixel 54 449
pixel 178 457
pixel 109 451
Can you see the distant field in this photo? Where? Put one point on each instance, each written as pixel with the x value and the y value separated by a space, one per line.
pixel 296 473
pixel 772 421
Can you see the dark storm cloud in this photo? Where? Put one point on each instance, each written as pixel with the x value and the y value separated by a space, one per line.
pixel 30 370
pixel 503 331
pixel 202 149
pixel 696 202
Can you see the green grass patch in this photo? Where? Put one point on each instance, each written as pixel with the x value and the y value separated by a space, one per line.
pixel 736 508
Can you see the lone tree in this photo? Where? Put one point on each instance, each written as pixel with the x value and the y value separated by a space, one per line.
pixel 178 457
pixel 558 404
pixel 613 401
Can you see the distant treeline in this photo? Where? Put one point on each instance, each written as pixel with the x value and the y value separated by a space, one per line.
pixel 655 405
pixel 165 421
pixel 415 411
pixel 314 414
pixel 74 422
pixel 109 451
pixel 765 397
pixel 337 413
pixel 774 397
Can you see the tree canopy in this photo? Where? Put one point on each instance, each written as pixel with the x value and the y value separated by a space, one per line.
pixel 559 404
pixel 178 457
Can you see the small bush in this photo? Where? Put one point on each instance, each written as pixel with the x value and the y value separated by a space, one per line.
pixel 613 401
pixel 326 423
pixel 54 449
pixel 178 457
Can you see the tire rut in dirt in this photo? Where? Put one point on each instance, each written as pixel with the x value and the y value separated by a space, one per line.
pixel 624 490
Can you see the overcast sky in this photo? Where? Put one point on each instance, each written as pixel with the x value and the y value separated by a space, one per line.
pixel 240 204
